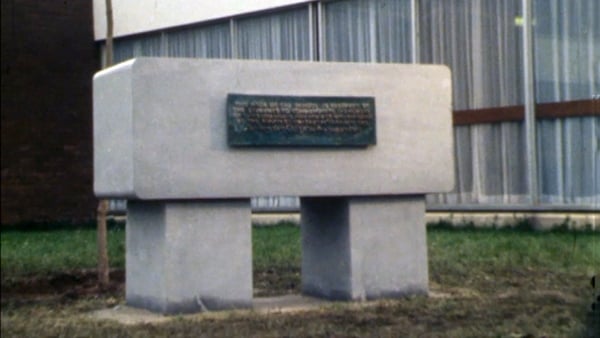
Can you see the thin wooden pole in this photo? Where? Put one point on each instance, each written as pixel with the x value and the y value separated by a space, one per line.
pixel 103 267
pixel 102 212
pixel 109 33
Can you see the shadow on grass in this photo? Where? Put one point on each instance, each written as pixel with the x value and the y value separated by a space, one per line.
pixel 40 226
pixel 523 225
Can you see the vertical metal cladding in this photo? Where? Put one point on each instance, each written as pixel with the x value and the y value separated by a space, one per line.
pixel 481 42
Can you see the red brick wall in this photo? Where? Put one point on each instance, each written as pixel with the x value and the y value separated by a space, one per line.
pixel 48 59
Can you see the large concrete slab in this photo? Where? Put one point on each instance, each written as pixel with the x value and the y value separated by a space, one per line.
pixel 291 303
pixel 160 130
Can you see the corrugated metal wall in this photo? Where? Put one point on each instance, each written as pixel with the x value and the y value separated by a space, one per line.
pixel 567 56
pixel 482 42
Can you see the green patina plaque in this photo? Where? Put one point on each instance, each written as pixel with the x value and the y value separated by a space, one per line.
pixel 322 121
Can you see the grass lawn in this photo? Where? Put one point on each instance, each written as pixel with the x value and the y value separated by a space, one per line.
pixel 483 283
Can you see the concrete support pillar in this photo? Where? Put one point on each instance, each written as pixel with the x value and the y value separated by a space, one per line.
pixel 357 248
pixel 189 256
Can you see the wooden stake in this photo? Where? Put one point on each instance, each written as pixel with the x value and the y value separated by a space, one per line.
pixel 102 242
pixel 103 267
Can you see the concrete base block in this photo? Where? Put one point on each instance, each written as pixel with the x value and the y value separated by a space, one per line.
pixel 358 248
pixel 189 256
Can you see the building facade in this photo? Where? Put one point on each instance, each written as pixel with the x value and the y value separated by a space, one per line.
pixel 526 77
pixel 48 60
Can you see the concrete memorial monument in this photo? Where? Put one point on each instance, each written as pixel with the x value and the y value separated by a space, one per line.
pixel 188 142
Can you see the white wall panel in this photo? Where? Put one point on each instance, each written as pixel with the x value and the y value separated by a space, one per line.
pixel 137 16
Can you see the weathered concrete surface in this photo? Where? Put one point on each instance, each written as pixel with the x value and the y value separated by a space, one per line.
pixel 357 248
pixel 160 130
pixel 160 141
pixel 189 256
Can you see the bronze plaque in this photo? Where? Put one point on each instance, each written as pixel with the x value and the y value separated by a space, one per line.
pixel 323 121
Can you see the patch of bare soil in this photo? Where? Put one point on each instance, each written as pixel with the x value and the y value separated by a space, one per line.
pixel 276 281
pixel 63 286
pixel 505 303
pixel 72 285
